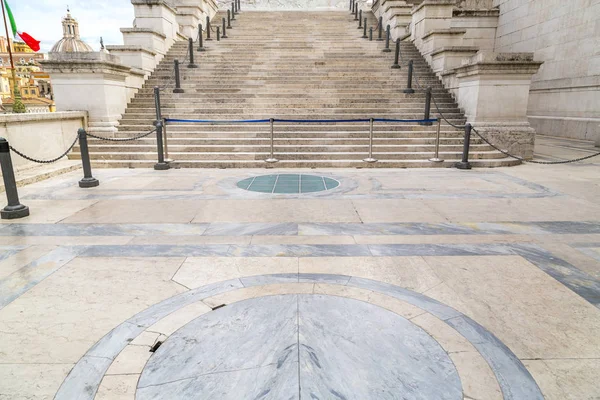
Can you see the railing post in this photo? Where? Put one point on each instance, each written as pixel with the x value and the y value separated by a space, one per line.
pixel 157 106
pixel 356 11
pixel 396 64
pixel 387 40
pixel 371 33
pixel 351 6
pixel 436 158
pixel 191 50
pixel 380 32
pixel 427 113
pixel 208 28
pixel 161 165
pixel 166 141
pixel 239 5
pixel 14 209
pixel 465 164
pixel 365 29
pixel 409 88
pixel 229 19
pixel 200 44
pixel 272 158
pixel 218 33
pixel 178 88
pixel 233 11
pixel 224 29
pixel 88 180
pixel 370 159
pixel 360 19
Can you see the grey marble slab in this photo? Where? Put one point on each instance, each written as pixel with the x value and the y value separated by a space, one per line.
pixel 515 380
pixel 324 278
pixel 393 250
pixel 589 250
pixel 112 343
pixel 83 380
pixel 243 336
pixel 354 350
pixel 104 230
pixel 9 251
pixel 30 275
pixel 569 227
pixel 284 229
pixel 260 280
pixel 208 250
pixel 300 251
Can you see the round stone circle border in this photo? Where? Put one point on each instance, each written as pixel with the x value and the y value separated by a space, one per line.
pixel 514 379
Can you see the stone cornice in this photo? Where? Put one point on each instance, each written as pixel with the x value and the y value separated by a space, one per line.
pixel 143 30
pixel 434 3
pixel 85 66
pixel 151 3
pixel 138 48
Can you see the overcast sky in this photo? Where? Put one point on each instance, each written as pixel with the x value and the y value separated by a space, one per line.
pixel 42 19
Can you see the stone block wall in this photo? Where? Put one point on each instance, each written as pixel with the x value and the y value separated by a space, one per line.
pixel 565 93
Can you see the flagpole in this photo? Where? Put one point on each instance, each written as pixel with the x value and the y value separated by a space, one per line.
pixel 17 93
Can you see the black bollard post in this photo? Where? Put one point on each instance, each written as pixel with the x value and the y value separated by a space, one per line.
pixel 396 64
pixel 14 209
pixel 233 11
pixel 161 165
pixel 157 107
pixel 380 31
pixel 191 50
pixel 88 180
pixel 356 12
pixel 178 88
pixel 387 40
pixel 200 44
pixel 365 29
pixel 208 28
pixel 351 6
pixel 427 114
pixel 229 19
pixel 371 33
pixel 218 33
pixel 360 19
pixel 409 88
pixel 465 164
pixel 239 5
pixel 224 29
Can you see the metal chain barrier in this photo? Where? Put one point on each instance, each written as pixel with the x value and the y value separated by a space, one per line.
pixel 123 139
pixel 46 161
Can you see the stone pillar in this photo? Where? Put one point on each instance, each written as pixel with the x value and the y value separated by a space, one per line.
pixel 429 17
pixel 95 82
pixel 192 12
pixel 493 91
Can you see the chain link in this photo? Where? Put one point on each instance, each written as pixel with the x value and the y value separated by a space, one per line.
pixel 45 161
pixel 122 139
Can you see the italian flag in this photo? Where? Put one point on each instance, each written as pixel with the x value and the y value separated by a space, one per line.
pixel 31 42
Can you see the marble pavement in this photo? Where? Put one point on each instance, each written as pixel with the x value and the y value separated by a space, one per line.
pixel 398 284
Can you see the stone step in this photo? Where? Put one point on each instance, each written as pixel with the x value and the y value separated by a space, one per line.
pixel 265 141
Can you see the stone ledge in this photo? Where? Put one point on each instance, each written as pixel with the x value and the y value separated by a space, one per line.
pixel 143 30
pixel 151 3
pixel 459 12
pixel 455 49
pixel 130 48
pixel 434 3
pixel 451 31
pixel 60 115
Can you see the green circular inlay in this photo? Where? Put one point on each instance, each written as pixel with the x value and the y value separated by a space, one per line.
pixel 288 183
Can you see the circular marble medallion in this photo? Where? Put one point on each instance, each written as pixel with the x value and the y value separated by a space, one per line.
pixel 300 347
pixel 288 184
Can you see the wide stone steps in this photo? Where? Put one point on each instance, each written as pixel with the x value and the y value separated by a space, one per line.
pixel 291 65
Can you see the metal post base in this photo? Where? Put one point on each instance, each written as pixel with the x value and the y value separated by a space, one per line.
pixel 89 182
pixel 161 166
pixel 409 91
pixel 396 66
pixel 177 90
pixel 463 165
pixel 200 49
pixel 370 160
pixel 192 66
pixel 387 50
pixel 14 212
pixel 271 160
pixel 436 160
pixel 425 123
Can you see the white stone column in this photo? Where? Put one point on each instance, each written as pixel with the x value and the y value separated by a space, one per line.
pixel 95 82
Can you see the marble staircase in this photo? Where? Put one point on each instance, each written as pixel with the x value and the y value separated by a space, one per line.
pixel 291 65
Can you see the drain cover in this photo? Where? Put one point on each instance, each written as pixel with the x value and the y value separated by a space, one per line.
pixel 288 183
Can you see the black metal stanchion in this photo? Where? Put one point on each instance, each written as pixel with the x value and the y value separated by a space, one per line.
pixel 224 29
pixel 371 33
pixel 88 180
pixel 427 113
pixel 191 50
pixel 229 19
pixel 360 19
pixel 356 12
pixel 14 209
pixel 239 5
pixel 161 165
pixel 465 164
pixel 233 11
pixel 178 88
pixel 409 88
pixel 387 40
pixel 370 159
pixel 365 29
pixel 351 6
pixel 157 107
pixel 218 33
pixel 380 31
pixel 208 28
pixel 200 44
pixel 272 158
pixel 396 64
